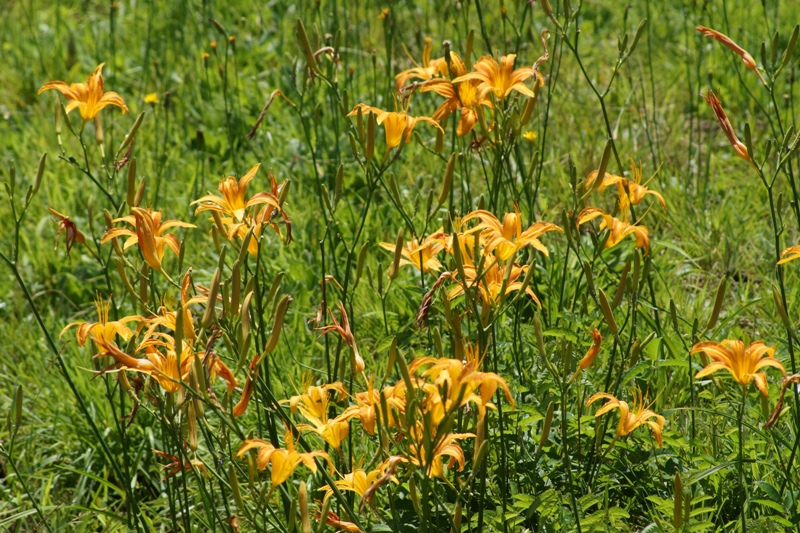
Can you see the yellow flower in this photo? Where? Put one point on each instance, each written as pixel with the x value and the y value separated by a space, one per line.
pixel 501 78
pixel 738 146
pixel 636 190
pixel 88 97
pixel 71 233
pixel 507 238
pixel 490 282
pixel 332 431
pixel 465 96
pixel 457 383
pixel 148 234
pixel 358 481
pixel 743 362
pixel 726 41
pixel 283 461
pixel 630 418
pixel 163 367
pixel 530 135
pixel 151 98
pixel 445 446
pixel 421 256
pixel 429 69
pixel 314 402
pixel 790 254
pixel 618 229
pixel 591 354
pixel 398 126
pixel 232 202
pixel 168 318
pixel 103 329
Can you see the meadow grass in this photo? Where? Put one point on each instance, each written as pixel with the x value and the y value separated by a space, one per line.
pixel 622 85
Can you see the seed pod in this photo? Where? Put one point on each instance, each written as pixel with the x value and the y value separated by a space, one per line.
pixel 712 320
pixel 39 173
pixel 210 313
pixel 607 313
pixel 394 268
pixel 131 191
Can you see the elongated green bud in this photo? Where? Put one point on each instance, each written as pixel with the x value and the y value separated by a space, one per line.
pixel 210 313
pixel 362 256
pixel 439 146
pixel 621 287
pixel 39 173
pixel 776 295
pixel 712 320
pixel 130 195
pixel 677 509
pixel 305 518
pixel 337 188
pixel 601 173
pixel 17 417
pixel 124 277
pixel 371 126
pixel 233 481
pixel 98 130
pixel 587 270
pixel 547 424
pixel 607 313
pixel 448 181
pixel 394 268
pixel 277 324
pixel 137 200
pixel 306 45
pixel 129 136
pixel 537 328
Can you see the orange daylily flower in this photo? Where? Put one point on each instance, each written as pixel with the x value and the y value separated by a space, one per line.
pixel 636 190
pixel 397 125
pixel 490 282
pixel 619 229
pixel 162 367
pixel 148 234
pixel 233 203
pixel 591 354
pixel 283 461
pixel 168 318
pixel 422 255
pixel 743 362
pixel 446 446
pixel 790 254
pixel 727 42
pixel 630 418
pixel 88 97
pixel 346 333
pixel 103 329
pixel 428 69
pixel 501 78
pixel 738 146
pixel 467 97
pixel 71 233
pixel 175 464
pixel 507 238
